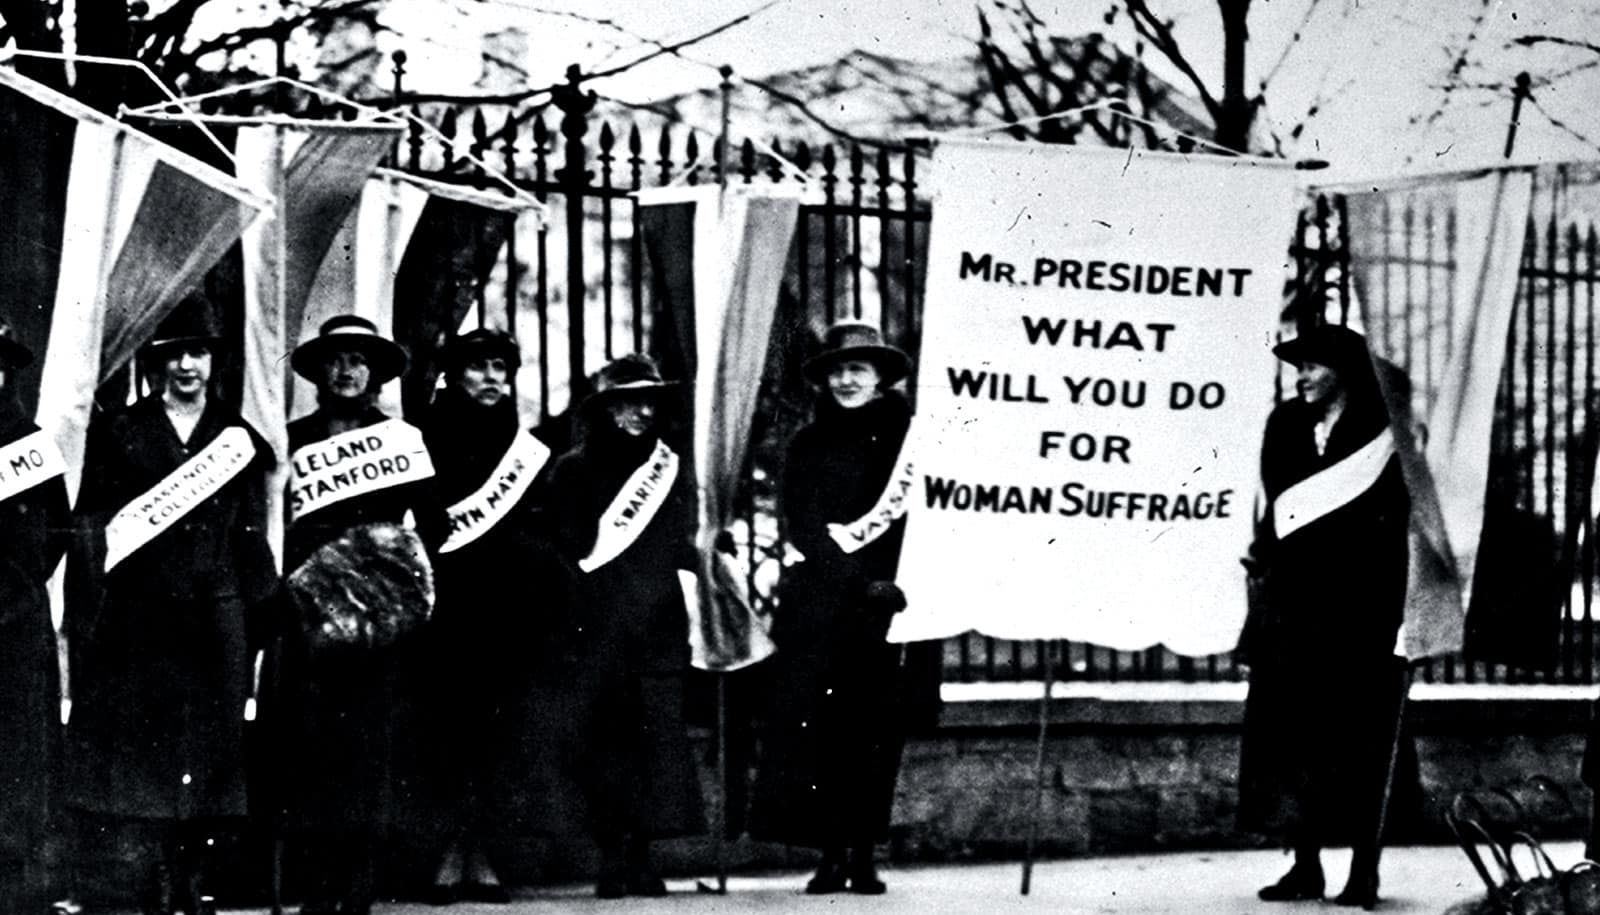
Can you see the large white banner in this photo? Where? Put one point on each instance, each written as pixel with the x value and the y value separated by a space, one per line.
pixel 1096 371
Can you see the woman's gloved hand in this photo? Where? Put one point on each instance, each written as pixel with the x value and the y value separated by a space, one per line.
pixel 885 597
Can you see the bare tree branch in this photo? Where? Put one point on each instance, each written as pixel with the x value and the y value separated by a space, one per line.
pixel 1159 33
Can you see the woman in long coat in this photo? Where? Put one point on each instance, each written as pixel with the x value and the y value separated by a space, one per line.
pixel 492 645
pixel 1327 688
pixel 361 589
pixel 163 662
pixel 620 509
pixel 37 522
pixel 832 752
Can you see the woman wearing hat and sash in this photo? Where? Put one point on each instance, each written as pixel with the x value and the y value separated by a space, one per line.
pixel 487 655
pixel 37 522
pixel 832 753
pixel 620 508
pixel 174 492
pixel 361 586
pixel 1326 685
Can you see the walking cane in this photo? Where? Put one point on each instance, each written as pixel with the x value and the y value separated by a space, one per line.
pixel 1038 766
pixel 1394 753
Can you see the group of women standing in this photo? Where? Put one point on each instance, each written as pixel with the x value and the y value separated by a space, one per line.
pixel 461 624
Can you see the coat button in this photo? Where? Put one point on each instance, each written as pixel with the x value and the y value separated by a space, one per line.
pixel 187 778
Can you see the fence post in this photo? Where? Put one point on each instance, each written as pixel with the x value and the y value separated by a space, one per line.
pixel 575 106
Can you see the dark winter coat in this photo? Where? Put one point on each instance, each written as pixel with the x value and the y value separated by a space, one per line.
pixel 835 728
pixel 1326 688
pixel 631 642
pixel 496 647
pixel 336 728
pixel 162 663
pixel 38 526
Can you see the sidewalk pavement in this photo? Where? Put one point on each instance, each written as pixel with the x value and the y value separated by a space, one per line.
pixel 1416 879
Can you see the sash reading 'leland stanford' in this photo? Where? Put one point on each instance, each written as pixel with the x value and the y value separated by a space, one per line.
pixel 179 492
pixel 355 463
pixel 890 507
pixel 637 502
pixel 27 462
pixel 1332 487
pixel 473 516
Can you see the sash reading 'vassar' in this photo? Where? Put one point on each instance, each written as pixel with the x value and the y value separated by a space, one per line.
pixel 355 463
pixel 27 462
pixel 473 516
pixel 890 507
pixel 637 502
pixel 179 492
pixel 1332 487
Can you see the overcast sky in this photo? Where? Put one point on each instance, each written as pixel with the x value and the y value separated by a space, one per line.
pixel 1376 64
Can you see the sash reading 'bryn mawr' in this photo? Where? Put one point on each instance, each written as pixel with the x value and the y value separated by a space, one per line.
pixel 27 462
pixel 890 507
pixel 355 463
pixel 473 516
pixel 637 502
pixel 179 492
pixel 1331 487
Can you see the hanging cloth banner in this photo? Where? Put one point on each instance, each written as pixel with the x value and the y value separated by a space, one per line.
pixel 354 463
pixel 641 496
pixel 890 507
pixel 478 513
pixel 27 462
pixel 177 494
pixel 1333 487
pixel 1095 376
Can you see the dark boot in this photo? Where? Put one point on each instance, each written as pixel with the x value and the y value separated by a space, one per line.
pixel 864 873
pixel 642 877
pixel 1303 881
pixel 158 896
pixel 1361 889
pixel 362 888
pixel 831 875
pixel 612 881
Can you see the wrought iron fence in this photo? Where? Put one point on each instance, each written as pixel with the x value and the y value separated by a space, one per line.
pixel 575 291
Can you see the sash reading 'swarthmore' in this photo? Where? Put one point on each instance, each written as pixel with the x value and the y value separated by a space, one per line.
pixel 355 463
pixel 179 492
pixel 27 462
pixel 473 516
pixel 890 507
pixel 1332 487
pixel 640 497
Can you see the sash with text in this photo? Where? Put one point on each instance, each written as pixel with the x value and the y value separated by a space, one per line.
pixel 890 507
pixel 355 463
pixel 179 492
pixel 27 462
pixel 479 512
pixel 636 504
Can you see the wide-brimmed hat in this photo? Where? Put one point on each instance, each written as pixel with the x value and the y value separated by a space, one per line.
pixel 192 321
pixel 633 375
pixel 459 350
pixel 1332 345
pixel 343 333
pixel 13 354
pixel 847 340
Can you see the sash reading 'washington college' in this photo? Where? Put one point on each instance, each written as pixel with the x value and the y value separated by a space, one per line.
pixel 355 463
pixel 890 507
pixel 473 516
pixel 637 502
pixel 27 462
pixel 179 492
pixel 1331 487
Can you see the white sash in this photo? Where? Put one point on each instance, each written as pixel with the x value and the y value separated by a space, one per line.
pixel 27 462
pixel 473 516
pixel 1331 487
pixel 637 502
pixel 890 507
pixel 179 492
pixel 355 463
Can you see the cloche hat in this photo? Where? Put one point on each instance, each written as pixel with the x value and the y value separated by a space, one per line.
pixel 846 340
pixel 349 332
